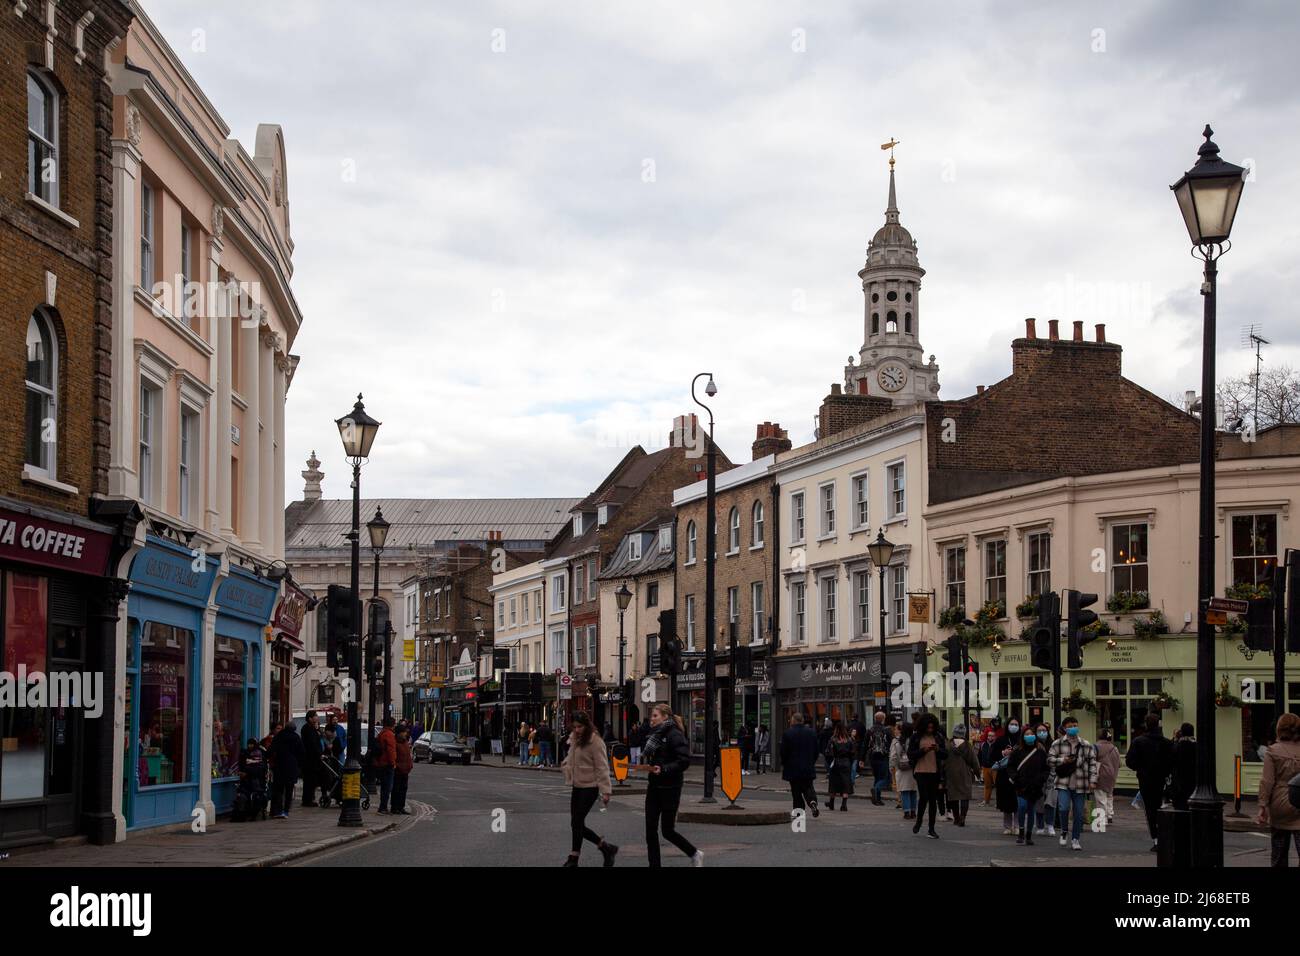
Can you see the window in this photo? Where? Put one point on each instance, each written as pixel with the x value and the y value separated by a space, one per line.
pixel 1040 564
pixel 501 613
pixel 188 453
pixel 828 509
pixel 1129 571
pixel 559 657
pixel 187 264
pixel 796 518
pixel 954 576
pixel 148 427
pixel 591 580
pixel 1254 549
pixel 634 548
pixel 537 606
pixel 146 236
pixel 690 542
pixel 526 667
pixel 558 595
pixel 995 572
pixel 828 588
pixel 229 669
pixel 514 612
pixel 798 612
pixel 579 583
pixel 577 525
pixel 42 139
pixel 891 321
pixel 1259 720
pixel 579 648
pixel 861 509
pixel 897 476
pixel 166 692
pixel 1023 697
pixel 665 539
pixel 41 428
pixel 733 610
pixel 690 622
pixel 733 531
pixel 652 594
pixel 756 612
pixel 591 644
pixel 1123 704
pixel 523 614
pixel 756 519
pixel 862 590
pixel 898 574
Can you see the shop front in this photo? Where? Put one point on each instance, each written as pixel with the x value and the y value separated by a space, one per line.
pixel 287 651
pixel 1120 684
pixel 53 569
pixel 170 593
pixel 688 702
pixel 244 602
pixel 752 700
pixel 842 686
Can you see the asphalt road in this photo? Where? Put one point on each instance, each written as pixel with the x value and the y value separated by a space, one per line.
pixel 486 816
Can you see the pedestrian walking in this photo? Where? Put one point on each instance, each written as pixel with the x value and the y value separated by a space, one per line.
pixel 1072 764
pixel 1107 773
pixel 989 751
pixel 524 731
pixel 927 753
pixel 823 741
pixel 961 770
pixel 545 745
pixel 586 770
pixel 1151 757
pixel 799 763
pixel 668 755
pixel 1277 808
pixel 384 761
pixel 313 748
pixel 900 762
pixel 636 742
pixel 762 748
pixel 842 752
pixel 858 734
pixel 876 750
pixel 1183 770
pixel 402 766
pixel 286 761
pixel 1006 793
pixel 1045 810
pixel 1026 771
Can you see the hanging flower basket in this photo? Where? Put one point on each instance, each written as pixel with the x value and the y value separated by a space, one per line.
pixel 1225 698
pixel 1164 701
pixel 1122 602
pixel 952 616
pixel 1151 626
pixel 1028 607
pixel 1076 701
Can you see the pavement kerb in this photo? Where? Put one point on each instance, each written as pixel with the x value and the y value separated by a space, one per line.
pixel 285 856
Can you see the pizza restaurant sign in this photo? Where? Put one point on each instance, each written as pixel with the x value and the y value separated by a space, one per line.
pixel 837 671
pixel 51 544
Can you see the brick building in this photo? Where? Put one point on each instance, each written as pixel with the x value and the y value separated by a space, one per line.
pixel 61 543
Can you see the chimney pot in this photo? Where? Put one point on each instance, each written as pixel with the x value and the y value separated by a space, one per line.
pixel 1078 330
pixel 1053 330
pixel 837 389
pixel 1101 331
pixel 979 389
pixel 1031 331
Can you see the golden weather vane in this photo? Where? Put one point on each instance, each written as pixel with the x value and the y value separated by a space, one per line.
pixel 890 146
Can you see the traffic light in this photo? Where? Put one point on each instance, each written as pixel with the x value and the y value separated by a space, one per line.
pixel 952 655
pixel 339 607
pixel 1259 624
pixel 375 657
pixel 1045 642
pixel 1077 618
pixel 670 655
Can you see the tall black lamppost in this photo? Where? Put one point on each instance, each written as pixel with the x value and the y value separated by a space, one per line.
pixel 624 597
pixel 1207 195
pixel 357 430
pixel 881 550
pixel 378 529
pixel 710 616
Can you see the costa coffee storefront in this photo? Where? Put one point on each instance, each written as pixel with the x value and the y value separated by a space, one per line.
pixel 53 604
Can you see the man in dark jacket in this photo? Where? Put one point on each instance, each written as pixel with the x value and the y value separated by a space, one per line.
pixel 313 747
pixel 1184 766
pixel 799 762
pixel 1151 757
pixel 876 746
pixel 668 755
pixel 384 762
pixel 286 761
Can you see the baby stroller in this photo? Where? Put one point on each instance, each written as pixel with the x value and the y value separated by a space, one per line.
pixel 331 783
pixel 251 791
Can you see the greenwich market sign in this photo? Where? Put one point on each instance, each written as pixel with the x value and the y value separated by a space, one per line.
pixel 51 544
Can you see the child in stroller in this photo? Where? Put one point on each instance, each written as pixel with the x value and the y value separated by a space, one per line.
pixel 250 794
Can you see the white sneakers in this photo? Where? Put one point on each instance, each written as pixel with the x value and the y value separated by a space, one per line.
pixel 1007 832
pixel 1041 831
pixel 698 858
pixel 1051 831
pixel 1063 839
pixel 1076 845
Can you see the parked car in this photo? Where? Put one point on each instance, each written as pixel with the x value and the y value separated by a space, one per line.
pixel 435 745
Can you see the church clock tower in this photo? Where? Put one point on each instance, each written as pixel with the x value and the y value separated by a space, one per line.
pixel 890 363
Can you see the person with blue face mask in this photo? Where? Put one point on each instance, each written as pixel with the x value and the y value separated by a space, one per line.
pixel 1027 768
pixel 1006 793
pixel 1044 821
pixel 1072 763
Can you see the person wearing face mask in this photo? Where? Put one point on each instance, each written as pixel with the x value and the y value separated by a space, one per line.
pixel 1006 792
pixel 1045 810
pixel 1107 771
pixel 960 771
pixel 1072 763
pixel 1027 770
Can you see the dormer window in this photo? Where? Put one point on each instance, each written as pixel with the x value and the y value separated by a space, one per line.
pixel 634 548
pixel 665 539
pixel 577 525
pixel 602 516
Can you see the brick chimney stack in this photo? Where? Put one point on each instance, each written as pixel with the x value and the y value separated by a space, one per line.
pixel 1078 330
pixel 1031 329
pixel 1053 330
pixel 771 439
pixel 1101 331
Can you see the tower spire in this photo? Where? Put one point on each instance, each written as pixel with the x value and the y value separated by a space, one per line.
pixel 891 212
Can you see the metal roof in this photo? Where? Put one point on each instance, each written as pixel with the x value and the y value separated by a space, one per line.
pixel 429 522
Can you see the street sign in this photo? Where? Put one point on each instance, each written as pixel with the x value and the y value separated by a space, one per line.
pixel 731 777
pixel 566 680
pixel 1216 616
pixel 566 693
pixel 918 608
pixel 1228 605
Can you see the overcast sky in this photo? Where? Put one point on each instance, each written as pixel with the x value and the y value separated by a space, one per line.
pixel 522 228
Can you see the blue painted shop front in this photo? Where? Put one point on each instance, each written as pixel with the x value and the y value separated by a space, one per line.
pixel 245 602
pixel 164 696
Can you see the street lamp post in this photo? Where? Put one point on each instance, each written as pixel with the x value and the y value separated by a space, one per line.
pixel 1207 195
pixel 881 551
pixel 378 529
pixel 710 615
pixel 624 597
pixel 357 430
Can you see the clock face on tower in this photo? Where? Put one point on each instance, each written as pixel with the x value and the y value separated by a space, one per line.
pixel 892 377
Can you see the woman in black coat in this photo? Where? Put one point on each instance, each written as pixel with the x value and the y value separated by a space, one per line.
pixel 927 751
pixel 668 755
pixel 1027 772
pixel 841 753
pixel 1006 793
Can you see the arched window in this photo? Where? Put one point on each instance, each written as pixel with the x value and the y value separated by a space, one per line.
pixel 891 322
pixel 42 138
pixel 875 323
pixel 733 530
pixel 42 423
pixel 907 322
pixel 758 525
pixel 690 542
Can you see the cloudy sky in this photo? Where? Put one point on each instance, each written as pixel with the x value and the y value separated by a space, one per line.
pixel 522 228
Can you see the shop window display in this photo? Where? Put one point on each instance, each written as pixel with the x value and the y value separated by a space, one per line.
pixel 228 669
pixel 165 692
pixel 23 729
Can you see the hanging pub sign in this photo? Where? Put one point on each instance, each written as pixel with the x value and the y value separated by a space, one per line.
pixel 918 608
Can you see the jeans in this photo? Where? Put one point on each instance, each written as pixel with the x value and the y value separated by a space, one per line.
pixel 853 771
pixel 523 751
pixel 544 748
pixel 1024 815
pixel 1281 847
pixel 928 786
pixel 879 770
pixel 580 803
pixel 909 800
pixel 400 781
pixel 1065 799
pixel 661 805
pixel 385 775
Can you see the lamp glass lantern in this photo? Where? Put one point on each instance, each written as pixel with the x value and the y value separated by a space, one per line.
pixel 881 550
pixel 357 430
pixel 624 596
pixel 378 529
pixel 1208 195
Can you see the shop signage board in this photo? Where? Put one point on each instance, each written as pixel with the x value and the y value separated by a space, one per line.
pixel 918 608
pixel 52 544
pixel 408 649
pixel 1229 605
